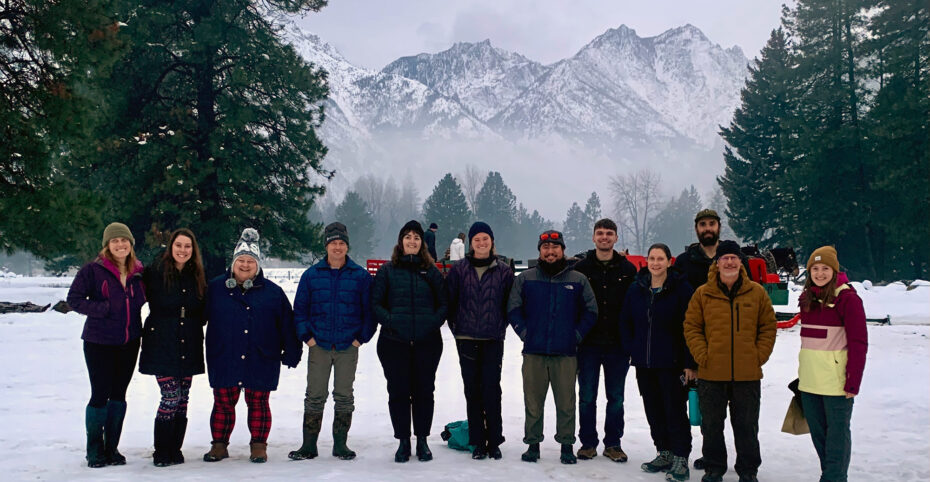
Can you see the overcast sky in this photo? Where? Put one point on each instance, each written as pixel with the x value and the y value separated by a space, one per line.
pixel 373 33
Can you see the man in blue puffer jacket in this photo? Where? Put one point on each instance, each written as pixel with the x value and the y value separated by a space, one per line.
pixel 551 307
pixel 332 312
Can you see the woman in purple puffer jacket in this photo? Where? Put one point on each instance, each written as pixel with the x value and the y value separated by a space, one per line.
pixel 109 291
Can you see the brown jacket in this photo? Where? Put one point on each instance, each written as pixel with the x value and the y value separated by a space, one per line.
pixel 730 341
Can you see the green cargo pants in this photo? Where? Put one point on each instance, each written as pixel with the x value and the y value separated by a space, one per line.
pixel 539 372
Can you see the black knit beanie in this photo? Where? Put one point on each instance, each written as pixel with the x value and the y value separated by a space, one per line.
pixel 411 225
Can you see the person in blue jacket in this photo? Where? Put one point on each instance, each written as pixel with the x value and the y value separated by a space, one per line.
pixel 332 311
pixel 652 320
pixel 250 333
pixel 551 308
pixel 109 291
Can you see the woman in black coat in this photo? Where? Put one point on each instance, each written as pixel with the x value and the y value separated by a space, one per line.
pixel 172 338
pixel 409 301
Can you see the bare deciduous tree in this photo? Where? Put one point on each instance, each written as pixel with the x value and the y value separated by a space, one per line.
pixel 471 181
pixel 636 201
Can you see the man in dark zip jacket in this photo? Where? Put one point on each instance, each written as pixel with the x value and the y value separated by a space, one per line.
pixel 551 308
pixel 610 274
pixel 730 331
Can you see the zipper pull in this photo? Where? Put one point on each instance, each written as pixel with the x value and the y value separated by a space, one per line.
pixel 182 312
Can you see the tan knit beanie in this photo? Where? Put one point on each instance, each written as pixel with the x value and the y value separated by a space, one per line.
pixel 825 255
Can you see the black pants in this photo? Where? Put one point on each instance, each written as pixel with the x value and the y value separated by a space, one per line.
pixel 481 362
pixel 743 398
pixel 828 418
pixel 410 370
pixel 110 368
pixel 666 404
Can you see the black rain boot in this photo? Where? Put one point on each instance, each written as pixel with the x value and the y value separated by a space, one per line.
pixel 568 455
pixel 403 451
pixel 423 452
pixel 94 420
pixel 116 413
pixel 341 424
pixel 313 421
pixel 180 428
pixel 164 442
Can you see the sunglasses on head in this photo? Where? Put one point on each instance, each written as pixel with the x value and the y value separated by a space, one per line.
pixel 545 236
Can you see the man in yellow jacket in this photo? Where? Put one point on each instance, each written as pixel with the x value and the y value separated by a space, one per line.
pixel 730 330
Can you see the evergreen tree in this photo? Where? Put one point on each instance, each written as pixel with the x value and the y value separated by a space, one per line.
pixel 496 205
pixel 592 209
pixel 446 207
pixel 355 213
pixel 576 229
pixel 526 234
pixel 674 225
pixel 211 125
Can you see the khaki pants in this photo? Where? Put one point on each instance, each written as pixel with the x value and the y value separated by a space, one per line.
pixel 320 364
pixel 539 372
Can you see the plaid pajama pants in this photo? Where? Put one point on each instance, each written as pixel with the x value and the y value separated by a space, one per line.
pixel 223 417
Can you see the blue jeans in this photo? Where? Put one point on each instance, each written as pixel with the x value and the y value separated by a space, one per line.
pixel 616 364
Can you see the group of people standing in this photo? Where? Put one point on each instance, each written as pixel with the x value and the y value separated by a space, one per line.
pixel 703 319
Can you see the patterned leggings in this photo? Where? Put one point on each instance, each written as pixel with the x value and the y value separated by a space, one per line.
pixel 174 394
pixel 223 417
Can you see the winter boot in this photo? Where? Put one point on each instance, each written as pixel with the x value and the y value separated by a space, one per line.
pixel 587 452
pixel 403 451
pixel 712 477
pixel 258 452
pixel 616 454
pixel 313 422
pixel 568 455
pixel 661 463
pixel 480 452
pixel 423 452
pixel 494 452
pixel 180 428
pixel 341 424
pixel 116 413
pixel 748 478
pixel 164 442
pixel 217 452
pixel 699 463
pixel 531 454
pixel 94 420
pixel 679 470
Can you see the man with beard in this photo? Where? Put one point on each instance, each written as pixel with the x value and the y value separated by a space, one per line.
pixel 551 308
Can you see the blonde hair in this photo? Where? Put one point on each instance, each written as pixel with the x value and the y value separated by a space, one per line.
pixel 130 259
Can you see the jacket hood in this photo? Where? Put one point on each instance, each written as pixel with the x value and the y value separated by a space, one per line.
pixel 106 263
pixel 458 241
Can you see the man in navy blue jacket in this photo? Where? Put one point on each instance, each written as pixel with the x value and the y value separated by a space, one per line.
pixel 332 312
pixel 551 308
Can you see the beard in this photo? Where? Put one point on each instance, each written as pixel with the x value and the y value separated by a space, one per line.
pixel 709 238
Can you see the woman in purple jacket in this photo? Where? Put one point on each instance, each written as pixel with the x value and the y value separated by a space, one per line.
pixel 478 286
pixel 109 291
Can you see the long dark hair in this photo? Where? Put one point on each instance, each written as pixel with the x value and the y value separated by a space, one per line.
pixel 195 263
pixel 827 295
pixel 425 259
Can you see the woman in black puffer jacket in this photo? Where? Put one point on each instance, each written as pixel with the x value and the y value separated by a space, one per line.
pixel 409 301
pixel 172 338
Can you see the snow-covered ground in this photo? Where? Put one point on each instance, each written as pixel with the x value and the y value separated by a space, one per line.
pixel 45 388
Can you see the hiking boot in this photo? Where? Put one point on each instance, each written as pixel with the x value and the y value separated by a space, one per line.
pixel 164 442
pixel 679 470
pixel 711 477
pixel 423 452
pixel 568 455
pixel 94 420
pixel 403 451
pixel 341 424
pixel 531 454
pixel 587 452
pixel 494 452
pixel 748 478
pixel 258 452
pixel 313 422
pixel 180 428
pixel 217 452
pixel 698 463
pixel 116 413
pixel 661 463
pixel 480 453
pixel 616 454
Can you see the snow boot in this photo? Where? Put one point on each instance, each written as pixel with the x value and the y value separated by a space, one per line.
pixel 699 463
pixel 711 477
pixel 748 478
pixel 94 421
pixel 116 413
pixel 423 452
pixel 661 463
pixel 403 451
pixel 341 424
pixel 258 452
pixel 616 454
pixel 217 452
pixel 679 470
pixel 313 422
pixel 164 442
pixel 494 452
pixel 568 455
pixel 587 452
pixel 480 452
pixel 531 454
pixel 180 428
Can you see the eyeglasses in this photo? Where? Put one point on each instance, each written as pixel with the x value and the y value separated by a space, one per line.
pixel 545 236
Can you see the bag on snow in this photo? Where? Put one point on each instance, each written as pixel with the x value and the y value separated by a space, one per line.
pixel 795 423
pixel 456 434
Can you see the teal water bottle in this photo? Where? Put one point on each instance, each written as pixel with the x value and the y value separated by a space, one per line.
pixel 694 409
